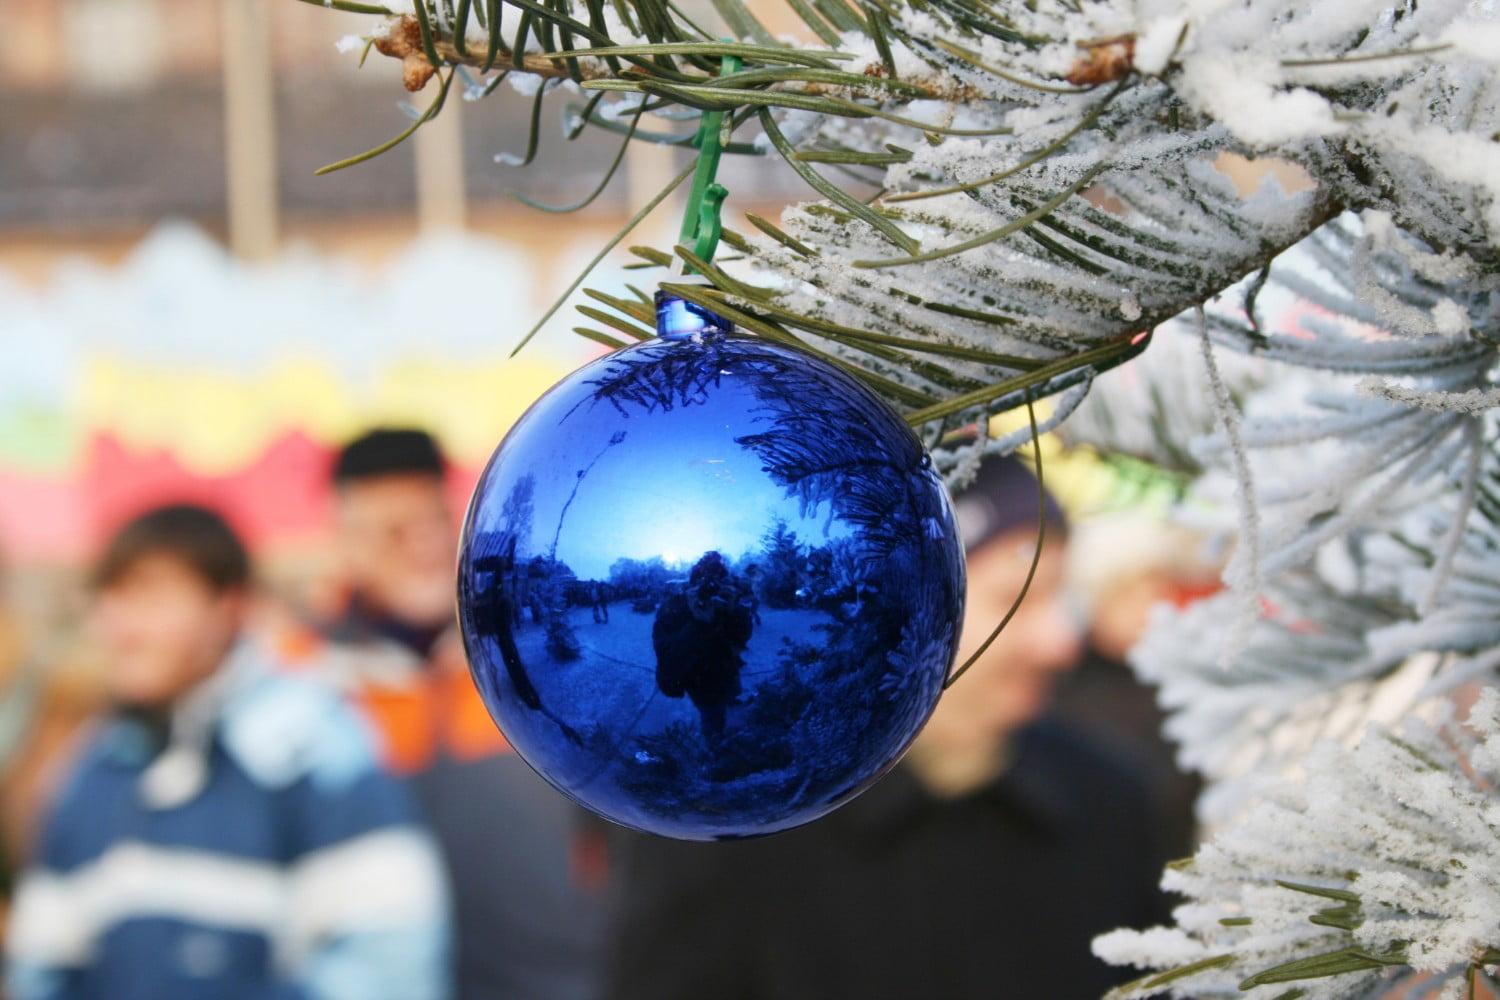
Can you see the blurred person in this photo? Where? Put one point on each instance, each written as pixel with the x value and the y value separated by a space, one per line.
pixel 599 602
pixel 226 832
pixel 528 912
pixel 1124 565
pixel 981 866
pixel 41 714
pixel 751 597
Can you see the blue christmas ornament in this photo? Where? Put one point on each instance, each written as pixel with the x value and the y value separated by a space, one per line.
pixel 710 585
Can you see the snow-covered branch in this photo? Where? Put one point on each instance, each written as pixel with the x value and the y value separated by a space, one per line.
pixel 1379 869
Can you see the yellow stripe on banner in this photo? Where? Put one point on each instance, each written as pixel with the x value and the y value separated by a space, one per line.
pixel 216 422
pixel 1078 480
pixel 468 406
pixel 1083 482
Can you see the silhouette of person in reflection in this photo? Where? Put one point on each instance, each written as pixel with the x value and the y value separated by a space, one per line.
pixel 700 634
pixel 751 598
pixel 534 582
pixel 497 604
pixel 504 610
pixel 599 603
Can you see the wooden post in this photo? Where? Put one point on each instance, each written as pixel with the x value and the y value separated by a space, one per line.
pixel 250 129
pixel 441 201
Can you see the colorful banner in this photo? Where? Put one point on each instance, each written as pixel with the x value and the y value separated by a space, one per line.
pixel 182 373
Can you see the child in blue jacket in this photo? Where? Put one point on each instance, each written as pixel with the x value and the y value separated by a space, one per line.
pixel 226 834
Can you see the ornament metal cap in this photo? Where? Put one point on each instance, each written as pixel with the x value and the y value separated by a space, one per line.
pixel 679 319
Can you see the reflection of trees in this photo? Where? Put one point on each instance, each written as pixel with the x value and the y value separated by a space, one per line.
pixel 519 508
pixel 826 439
pixel 548 582
pixel 829 441
pixel 844 564
pixel 516 514
pixel 561 641
pixel 640 580
pixel 829 577
pixel 782 565
pixel 660 377
pixel 614 439
pixel 823 444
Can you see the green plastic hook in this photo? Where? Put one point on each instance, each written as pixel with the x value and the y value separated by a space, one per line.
pixel 701 224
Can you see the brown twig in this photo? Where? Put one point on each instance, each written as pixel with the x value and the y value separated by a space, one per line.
pixel 1104 61
pixel 403 40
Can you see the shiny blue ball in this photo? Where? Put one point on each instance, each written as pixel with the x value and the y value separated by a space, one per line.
pixel 710 585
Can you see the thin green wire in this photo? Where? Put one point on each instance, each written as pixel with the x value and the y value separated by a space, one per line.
pixel 1036 557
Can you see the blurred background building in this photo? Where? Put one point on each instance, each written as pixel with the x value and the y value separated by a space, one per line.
pixel 117 115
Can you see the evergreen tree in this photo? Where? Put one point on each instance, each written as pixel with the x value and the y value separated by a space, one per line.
pixel 782 567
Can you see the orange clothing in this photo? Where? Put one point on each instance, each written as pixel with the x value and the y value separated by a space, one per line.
pixel 440 711
pixel 66 698
pixel 418 710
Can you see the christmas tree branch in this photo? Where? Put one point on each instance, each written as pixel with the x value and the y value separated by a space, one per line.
pixel 1004 248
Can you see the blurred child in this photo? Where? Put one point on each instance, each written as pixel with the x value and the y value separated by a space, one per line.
pixel 529 920
pixel 225 834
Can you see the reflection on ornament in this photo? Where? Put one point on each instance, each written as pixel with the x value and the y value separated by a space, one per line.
pixel 710 585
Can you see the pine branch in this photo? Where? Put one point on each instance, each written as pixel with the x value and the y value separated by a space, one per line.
pixel 1391 837
pixel 1016 258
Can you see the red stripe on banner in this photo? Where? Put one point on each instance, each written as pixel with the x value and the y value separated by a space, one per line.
pixel 281 497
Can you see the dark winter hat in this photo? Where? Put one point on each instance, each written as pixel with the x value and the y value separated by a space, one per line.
pixel 388 451
pixel 1002 498
pixel 193 535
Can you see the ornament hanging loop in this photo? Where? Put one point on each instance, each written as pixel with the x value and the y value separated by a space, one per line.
pixel 701 224
pixel 1036 557
pixel 676 318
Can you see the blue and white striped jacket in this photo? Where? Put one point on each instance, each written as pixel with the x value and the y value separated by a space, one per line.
pixel 260 856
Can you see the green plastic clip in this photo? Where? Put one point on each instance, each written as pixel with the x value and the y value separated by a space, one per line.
pixel 701 224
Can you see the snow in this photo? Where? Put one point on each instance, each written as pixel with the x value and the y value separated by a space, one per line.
pixel 1240 93
pixel 1406 810
pixel 1156 43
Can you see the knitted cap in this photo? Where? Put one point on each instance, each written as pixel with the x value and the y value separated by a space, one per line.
pixel 1002 498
